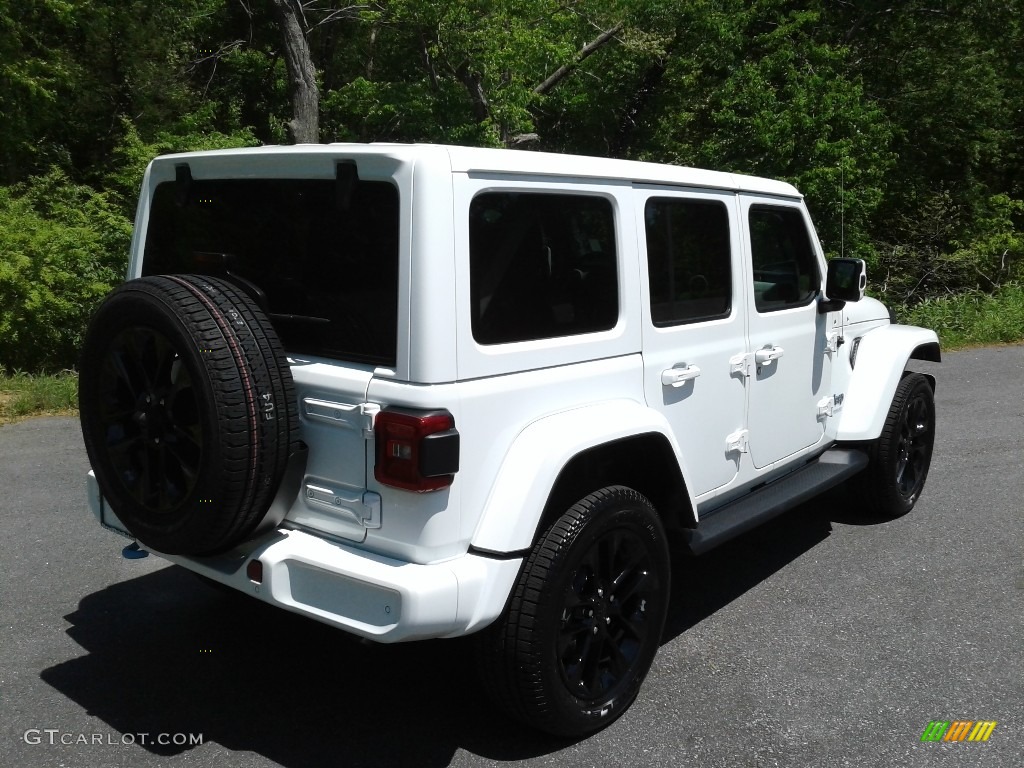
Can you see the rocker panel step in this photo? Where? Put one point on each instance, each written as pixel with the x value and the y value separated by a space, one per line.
pixel 747 512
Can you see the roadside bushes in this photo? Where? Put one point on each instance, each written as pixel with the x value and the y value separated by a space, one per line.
pixel 26 394
pixel 947 251
pixel 972 317
pixel 63 246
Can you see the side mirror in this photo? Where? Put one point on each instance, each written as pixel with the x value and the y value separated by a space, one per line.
pixel 846 279
pixel 845 282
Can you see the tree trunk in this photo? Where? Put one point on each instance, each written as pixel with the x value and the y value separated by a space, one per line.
pixel 304 127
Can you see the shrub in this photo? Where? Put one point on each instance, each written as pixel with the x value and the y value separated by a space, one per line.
pixel 971 318
pixel 62 248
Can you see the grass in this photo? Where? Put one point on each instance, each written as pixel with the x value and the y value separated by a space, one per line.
pixel 25 394
pixel 961 320
pixel 971 319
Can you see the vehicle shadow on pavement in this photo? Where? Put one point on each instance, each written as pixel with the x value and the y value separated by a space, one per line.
pixel 167 654
pixel 705 584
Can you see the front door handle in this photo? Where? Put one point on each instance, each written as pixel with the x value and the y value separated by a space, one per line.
pixel 676 377
pixel 768 355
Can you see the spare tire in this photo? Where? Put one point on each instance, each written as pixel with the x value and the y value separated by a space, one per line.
pixel 188 411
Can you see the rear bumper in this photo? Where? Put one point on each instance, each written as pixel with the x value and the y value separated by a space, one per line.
pixel 369 595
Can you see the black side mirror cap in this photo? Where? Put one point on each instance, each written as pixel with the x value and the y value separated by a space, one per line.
pixel 846 279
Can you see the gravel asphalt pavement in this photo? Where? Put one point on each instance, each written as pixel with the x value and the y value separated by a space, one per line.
pixel 822 639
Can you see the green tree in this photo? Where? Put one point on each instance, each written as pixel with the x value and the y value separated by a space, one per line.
pixel 755 88
pixel 901 122
pixel 34 73
pixel 947 76
pixel 476 72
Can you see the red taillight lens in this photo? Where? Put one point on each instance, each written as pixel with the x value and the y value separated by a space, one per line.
pixel 416 450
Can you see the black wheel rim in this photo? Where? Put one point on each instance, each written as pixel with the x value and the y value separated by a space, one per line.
pixel 607 616
pixel 913 452
pixel 153 436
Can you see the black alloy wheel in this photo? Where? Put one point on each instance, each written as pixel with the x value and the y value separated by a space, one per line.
pixel 914 449
pixel 604 623
pixel 154 433
pixel 585 618
pixel 900 458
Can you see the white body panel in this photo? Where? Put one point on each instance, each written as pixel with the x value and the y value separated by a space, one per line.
pixel 496 417
pixel 713 403
pixel 796 370
pixel 329 401
pixel 532 466
pixel 370 595
pixel 881 356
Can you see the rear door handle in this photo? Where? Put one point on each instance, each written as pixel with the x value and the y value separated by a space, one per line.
pixel 768 355
pixel 676 377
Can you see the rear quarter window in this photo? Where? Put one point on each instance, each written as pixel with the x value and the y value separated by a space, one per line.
pixel 542 265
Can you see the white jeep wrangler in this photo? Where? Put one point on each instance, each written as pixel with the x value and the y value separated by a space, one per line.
pixel 420 391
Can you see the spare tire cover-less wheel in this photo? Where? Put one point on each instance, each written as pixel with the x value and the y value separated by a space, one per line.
pixel 188 411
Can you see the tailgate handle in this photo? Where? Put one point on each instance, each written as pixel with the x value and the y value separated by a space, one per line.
pixel 356 416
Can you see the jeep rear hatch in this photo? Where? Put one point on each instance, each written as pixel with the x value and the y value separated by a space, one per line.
pixel 320 258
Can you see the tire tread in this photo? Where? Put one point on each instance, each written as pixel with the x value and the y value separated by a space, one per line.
pixel 231 346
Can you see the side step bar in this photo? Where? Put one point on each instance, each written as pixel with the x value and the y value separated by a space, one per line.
pixel 764 503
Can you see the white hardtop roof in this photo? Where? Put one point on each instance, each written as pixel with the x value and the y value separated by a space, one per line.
pixel 518 162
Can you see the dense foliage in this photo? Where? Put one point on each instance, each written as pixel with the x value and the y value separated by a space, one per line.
pixel 902 122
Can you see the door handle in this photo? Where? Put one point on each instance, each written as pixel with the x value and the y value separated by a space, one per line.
pixel 768 355
pixel 676 377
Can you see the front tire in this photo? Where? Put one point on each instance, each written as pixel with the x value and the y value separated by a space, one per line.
pixel 585 618
pixel 901 456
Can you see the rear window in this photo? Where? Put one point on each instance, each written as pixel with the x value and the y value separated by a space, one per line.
pixel 541 265
pixel 323 265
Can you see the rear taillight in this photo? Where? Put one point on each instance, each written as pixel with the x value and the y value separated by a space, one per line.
pixel 416 450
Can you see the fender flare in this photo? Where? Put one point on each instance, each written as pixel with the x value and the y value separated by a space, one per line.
pixel 534 461
pixel 882 357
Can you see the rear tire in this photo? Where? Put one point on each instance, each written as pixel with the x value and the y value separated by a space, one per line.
pixel 188 411
pixel 900 458
pixel 585 618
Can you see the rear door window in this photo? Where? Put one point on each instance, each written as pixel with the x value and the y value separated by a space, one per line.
pixel 689 260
